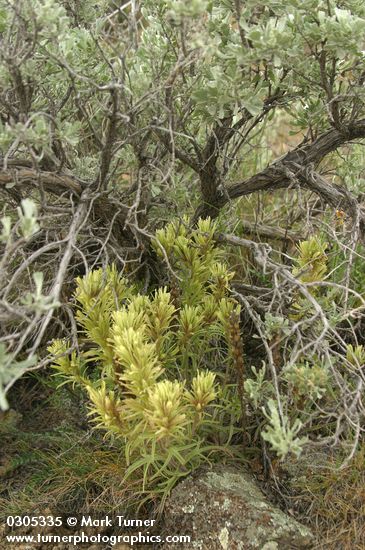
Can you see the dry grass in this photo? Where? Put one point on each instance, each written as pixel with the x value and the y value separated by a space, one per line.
pixel 334 501
pixel 51 460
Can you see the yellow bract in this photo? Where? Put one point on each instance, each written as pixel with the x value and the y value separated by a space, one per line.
pixel 165 409
pixel 203 390
pixel 311 261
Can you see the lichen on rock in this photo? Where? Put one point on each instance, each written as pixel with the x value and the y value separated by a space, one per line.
pixel 224 509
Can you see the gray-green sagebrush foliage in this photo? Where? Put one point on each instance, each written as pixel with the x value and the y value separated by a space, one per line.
pixel 32 303
pixel 189 65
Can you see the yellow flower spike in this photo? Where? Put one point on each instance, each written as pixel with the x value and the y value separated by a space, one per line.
pixel 119 286
pixel 210 308
pixel 202 390
pixel 190 321
pixel 167 236
pixel 67 364
pixel 125 319
pixel 107 408
pixel 161 311
pixel 203 235
pixel 139 305
pixel 355 355
pixel 139 359
pixel 182 249
pixel 219 270
pixel 89 287
pixel 311 261
pixel 100 284
pixel 220 278
pixel 165 411
pixel 206 225
pixel 226 308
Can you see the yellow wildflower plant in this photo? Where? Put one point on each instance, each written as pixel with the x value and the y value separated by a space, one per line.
pixel 142 356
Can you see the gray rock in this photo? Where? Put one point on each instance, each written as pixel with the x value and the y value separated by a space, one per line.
pixel 223 509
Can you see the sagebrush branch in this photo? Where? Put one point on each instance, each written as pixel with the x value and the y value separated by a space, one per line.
pixel 52 182
pixel 297 168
